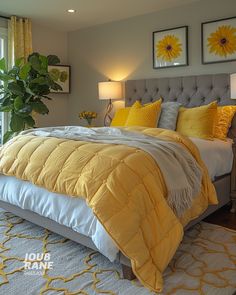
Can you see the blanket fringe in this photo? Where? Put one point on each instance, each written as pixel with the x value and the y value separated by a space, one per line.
pixel 181 200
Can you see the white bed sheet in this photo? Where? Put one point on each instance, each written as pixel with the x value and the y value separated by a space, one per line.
pixel 217 155
pixel 71 212
pixel 74 212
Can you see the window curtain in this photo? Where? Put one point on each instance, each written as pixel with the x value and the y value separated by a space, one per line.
pixel 19 39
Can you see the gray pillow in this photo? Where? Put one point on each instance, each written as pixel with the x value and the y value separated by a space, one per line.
pixel 169 115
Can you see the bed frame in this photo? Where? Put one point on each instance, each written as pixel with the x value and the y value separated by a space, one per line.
pixel 189 91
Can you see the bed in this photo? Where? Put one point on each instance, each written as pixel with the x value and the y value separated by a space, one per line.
pixel 190 92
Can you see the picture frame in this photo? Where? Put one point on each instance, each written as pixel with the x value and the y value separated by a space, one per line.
pixel 170 47
pixel 218 40
pixel 62 76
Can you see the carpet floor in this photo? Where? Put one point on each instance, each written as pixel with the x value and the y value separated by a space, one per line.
pixel 205 263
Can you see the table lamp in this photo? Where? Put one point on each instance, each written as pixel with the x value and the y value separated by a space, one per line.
pixel 109 90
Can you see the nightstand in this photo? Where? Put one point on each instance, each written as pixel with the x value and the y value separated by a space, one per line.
pixel 233 181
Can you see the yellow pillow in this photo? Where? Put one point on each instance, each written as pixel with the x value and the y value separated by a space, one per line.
pixel 144 116
pixel 120 117
pixel 223 122
pixel 198 122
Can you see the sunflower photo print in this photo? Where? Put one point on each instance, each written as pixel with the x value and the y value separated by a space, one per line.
pixel 219 41
pixel 170 47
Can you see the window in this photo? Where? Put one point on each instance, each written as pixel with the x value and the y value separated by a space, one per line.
pixel 3 53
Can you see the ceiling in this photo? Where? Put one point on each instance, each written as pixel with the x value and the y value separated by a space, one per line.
pixel 54 13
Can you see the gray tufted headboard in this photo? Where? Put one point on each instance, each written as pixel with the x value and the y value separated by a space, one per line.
pixel 190 91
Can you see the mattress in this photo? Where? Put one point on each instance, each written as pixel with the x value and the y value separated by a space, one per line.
pixel 74 212
pixel 217 156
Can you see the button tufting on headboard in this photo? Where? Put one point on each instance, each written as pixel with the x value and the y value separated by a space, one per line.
pixel 190 90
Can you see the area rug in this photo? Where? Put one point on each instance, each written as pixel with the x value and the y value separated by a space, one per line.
pixel 35 261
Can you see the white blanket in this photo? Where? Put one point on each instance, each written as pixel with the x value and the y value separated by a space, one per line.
pixel 181 173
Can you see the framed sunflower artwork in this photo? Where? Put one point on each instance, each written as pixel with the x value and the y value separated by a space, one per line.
pixel 170 47
pixel 219 41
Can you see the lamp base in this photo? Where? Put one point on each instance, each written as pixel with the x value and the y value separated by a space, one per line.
pixel 108 118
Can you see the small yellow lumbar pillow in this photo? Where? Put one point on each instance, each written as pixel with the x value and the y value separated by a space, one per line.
pixel 198 122
pixel 120 117
pixel 223 122
pixel 144 116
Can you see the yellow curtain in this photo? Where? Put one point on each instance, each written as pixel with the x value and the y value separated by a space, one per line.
pixel 19 39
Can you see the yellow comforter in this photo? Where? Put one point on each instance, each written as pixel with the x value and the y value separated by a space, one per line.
pixel 123 186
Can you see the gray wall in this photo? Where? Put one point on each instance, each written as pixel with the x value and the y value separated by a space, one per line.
pixel 49 41
pixel 123 50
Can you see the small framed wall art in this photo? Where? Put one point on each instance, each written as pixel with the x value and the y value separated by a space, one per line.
pixel 219 41
pixel 61 75
pixel 170 47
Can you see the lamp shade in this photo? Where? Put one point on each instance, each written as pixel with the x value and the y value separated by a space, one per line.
pixel 110 90
pixel 233 86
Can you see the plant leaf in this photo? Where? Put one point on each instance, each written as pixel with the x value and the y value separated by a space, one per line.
pixel 44 62
pixel 40 81
pixel 6 101
pixel 43 90
pixel 3 64
pixel 19 61
pixel 16 123
pixel 18 103
pixel 13 72
pixel 25 110
pixel 6 109
pixel 53 60
pixel 29 121
pixel 35 62
pixel 5 77
pixel 29 91
pixel 40 107
pixel 24 71
pixel 56 87
pixel 15 89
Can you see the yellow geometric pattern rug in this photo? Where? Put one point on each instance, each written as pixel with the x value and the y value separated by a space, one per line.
pixel 35 261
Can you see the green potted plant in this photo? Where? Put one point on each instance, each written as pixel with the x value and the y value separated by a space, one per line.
pixel 23 90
